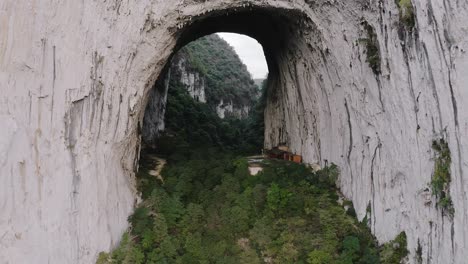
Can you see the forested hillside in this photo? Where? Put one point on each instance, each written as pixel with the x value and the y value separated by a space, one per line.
pixel 205 81
pixel 196 124
pixel 226 76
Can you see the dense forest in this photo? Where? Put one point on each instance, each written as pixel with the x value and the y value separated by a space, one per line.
pixel 207 208
pixel 210 210
pixel 195 124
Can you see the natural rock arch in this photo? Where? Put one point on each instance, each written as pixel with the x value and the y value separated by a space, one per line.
pixel 273 28
pixel 78 74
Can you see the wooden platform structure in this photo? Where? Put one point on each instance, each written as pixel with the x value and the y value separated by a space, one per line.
pixel 282 152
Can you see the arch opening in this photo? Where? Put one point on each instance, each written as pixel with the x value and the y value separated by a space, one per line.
pixel 207 94
pixel 276 30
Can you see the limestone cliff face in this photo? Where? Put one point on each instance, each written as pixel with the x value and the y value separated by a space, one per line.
pixel 190 78
pixel 153 121
pixel 224 109
pixel 76 77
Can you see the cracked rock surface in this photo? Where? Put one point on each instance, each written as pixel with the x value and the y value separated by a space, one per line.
pixel 75 78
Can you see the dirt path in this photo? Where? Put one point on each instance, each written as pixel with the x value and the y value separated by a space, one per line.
pixel 160 163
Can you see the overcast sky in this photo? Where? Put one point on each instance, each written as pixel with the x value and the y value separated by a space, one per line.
pixel 250 52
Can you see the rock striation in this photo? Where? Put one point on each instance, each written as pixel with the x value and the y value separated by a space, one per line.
pixel 351 82
pixel 191 79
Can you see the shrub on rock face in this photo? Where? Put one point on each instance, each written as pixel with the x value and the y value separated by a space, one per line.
pixel 394 251
pixel 329 175
pixel 407 16
pixel 441 178
pixel 372 46
pixel 103 258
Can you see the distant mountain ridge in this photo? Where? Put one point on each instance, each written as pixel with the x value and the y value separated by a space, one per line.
pixel 227 78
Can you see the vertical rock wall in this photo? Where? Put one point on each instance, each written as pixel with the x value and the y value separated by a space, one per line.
pixel 193 80
pixel 75 78
pixel 153 121
pixel 178 71
pixel 379 127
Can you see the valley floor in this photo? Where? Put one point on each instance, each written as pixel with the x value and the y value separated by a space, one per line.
pixel 210 209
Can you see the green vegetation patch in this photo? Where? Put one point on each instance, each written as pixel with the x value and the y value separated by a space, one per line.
pixel 394 251
pixel 372 46
pixel 441 178
pixel 407 16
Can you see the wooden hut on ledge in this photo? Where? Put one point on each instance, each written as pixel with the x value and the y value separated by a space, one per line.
pixel 275 153
pixel 282 152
